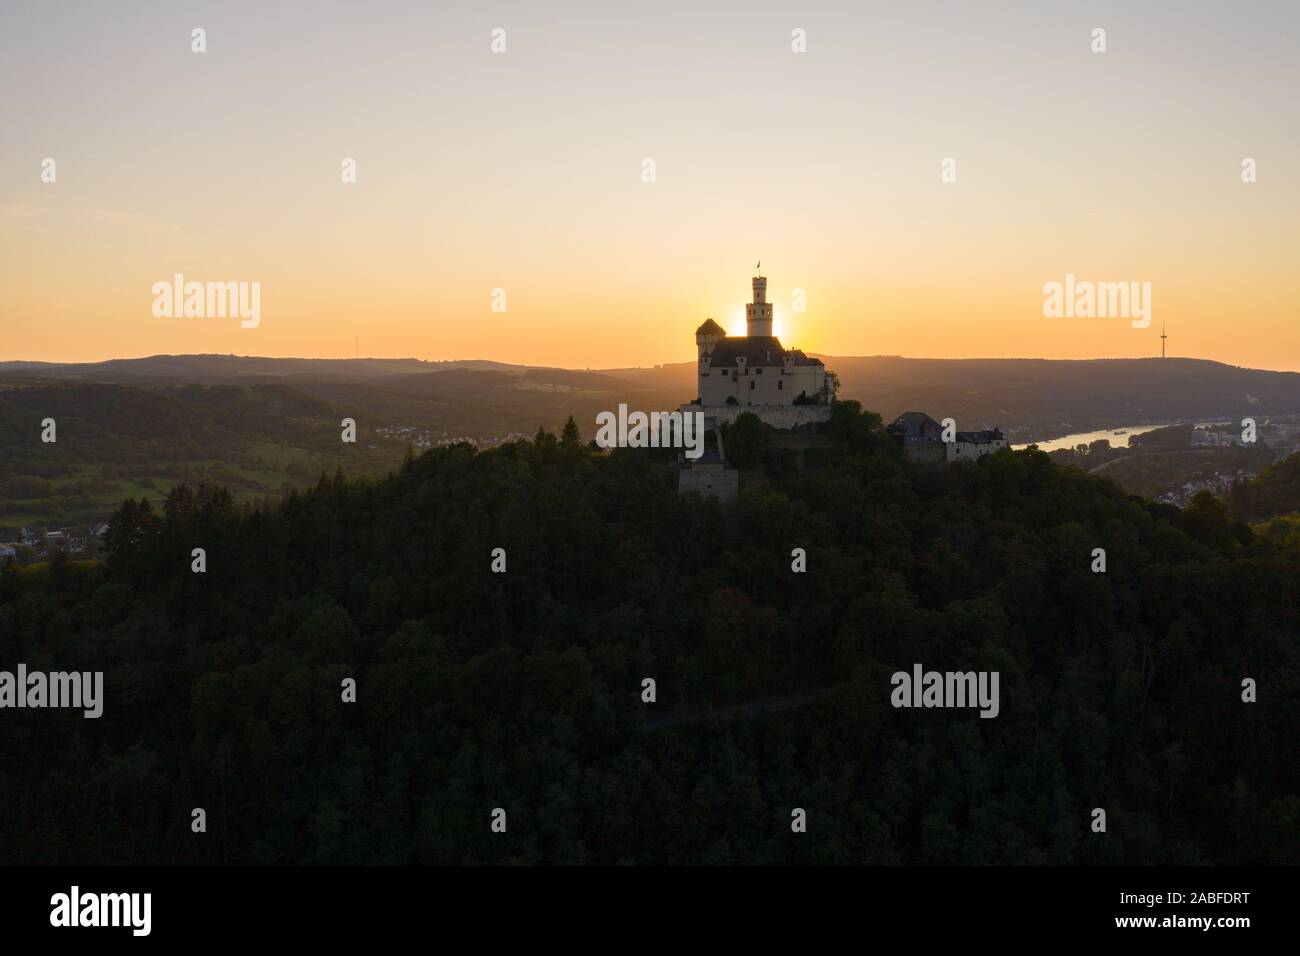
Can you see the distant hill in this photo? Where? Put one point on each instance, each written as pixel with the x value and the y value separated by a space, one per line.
pixel 101 418
pixel 474 399
pixel 1031 399
pixel 259 426
pixel 211 369
pixel 1039 399
pixel 1035 399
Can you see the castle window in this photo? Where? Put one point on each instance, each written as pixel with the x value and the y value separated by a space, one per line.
pixel 758 371
pixel 751 385
pixel 780 385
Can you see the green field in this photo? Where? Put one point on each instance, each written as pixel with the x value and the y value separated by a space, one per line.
pixel 93 492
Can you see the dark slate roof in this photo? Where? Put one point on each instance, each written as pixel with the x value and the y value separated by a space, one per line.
pixel 763 351
pixel 914 427
pixel 710 328
pixel 801 359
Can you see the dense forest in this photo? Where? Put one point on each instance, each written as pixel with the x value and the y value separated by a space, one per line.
pixel 1274 491
pixel 523 690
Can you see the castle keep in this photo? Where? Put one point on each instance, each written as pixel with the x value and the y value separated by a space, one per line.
pixel 756 369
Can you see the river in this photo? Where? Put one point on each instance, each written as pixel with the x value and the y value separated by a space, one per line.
pixel 1085 438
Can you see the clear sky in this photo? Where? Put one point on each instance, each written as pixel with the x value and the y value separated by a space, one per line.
pixel 523 170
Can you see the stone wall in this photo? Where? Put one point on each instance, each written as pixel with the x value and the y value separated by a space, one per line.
pixel 778 416
pixel 722 483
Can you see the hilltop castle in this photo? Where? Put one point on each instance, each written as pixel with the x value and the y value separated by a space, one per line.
pixel 750 373
pixel 756 369
pixel 787 389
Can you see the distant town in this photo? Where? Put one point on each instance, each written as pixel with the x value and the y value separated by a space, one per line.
pixel 41 544
pixel 422 439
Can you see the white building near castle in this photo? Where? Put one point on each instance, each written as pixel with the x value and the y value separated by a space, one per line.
pixel 922 439
pixel 755 369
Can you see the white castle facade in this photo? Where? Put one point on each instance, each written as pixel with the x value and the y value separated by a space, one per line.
pixel 756 369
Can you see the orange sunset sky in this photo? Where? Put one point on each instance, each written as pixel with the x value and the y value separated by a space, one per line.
pixel 522 170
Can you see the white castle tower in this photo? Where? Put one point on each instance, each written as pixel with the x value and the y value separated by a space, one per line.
pixel 755 370
pixel 758 314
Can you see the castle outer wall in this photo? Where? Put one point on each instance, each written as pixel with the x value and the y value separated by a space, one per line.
pixel 778 416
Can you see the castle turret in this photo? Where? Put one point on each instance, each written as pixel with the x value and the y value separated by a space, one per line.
pixel 707 336
pixel 758 314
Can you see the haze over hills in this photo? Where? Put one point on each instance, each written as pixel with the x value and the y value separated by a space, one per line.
pixel 214 368
pixel 1030 399
pixel 1037 399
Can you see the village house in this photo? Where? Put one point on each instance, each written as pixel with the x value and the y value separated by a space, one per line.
pixel 921 439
